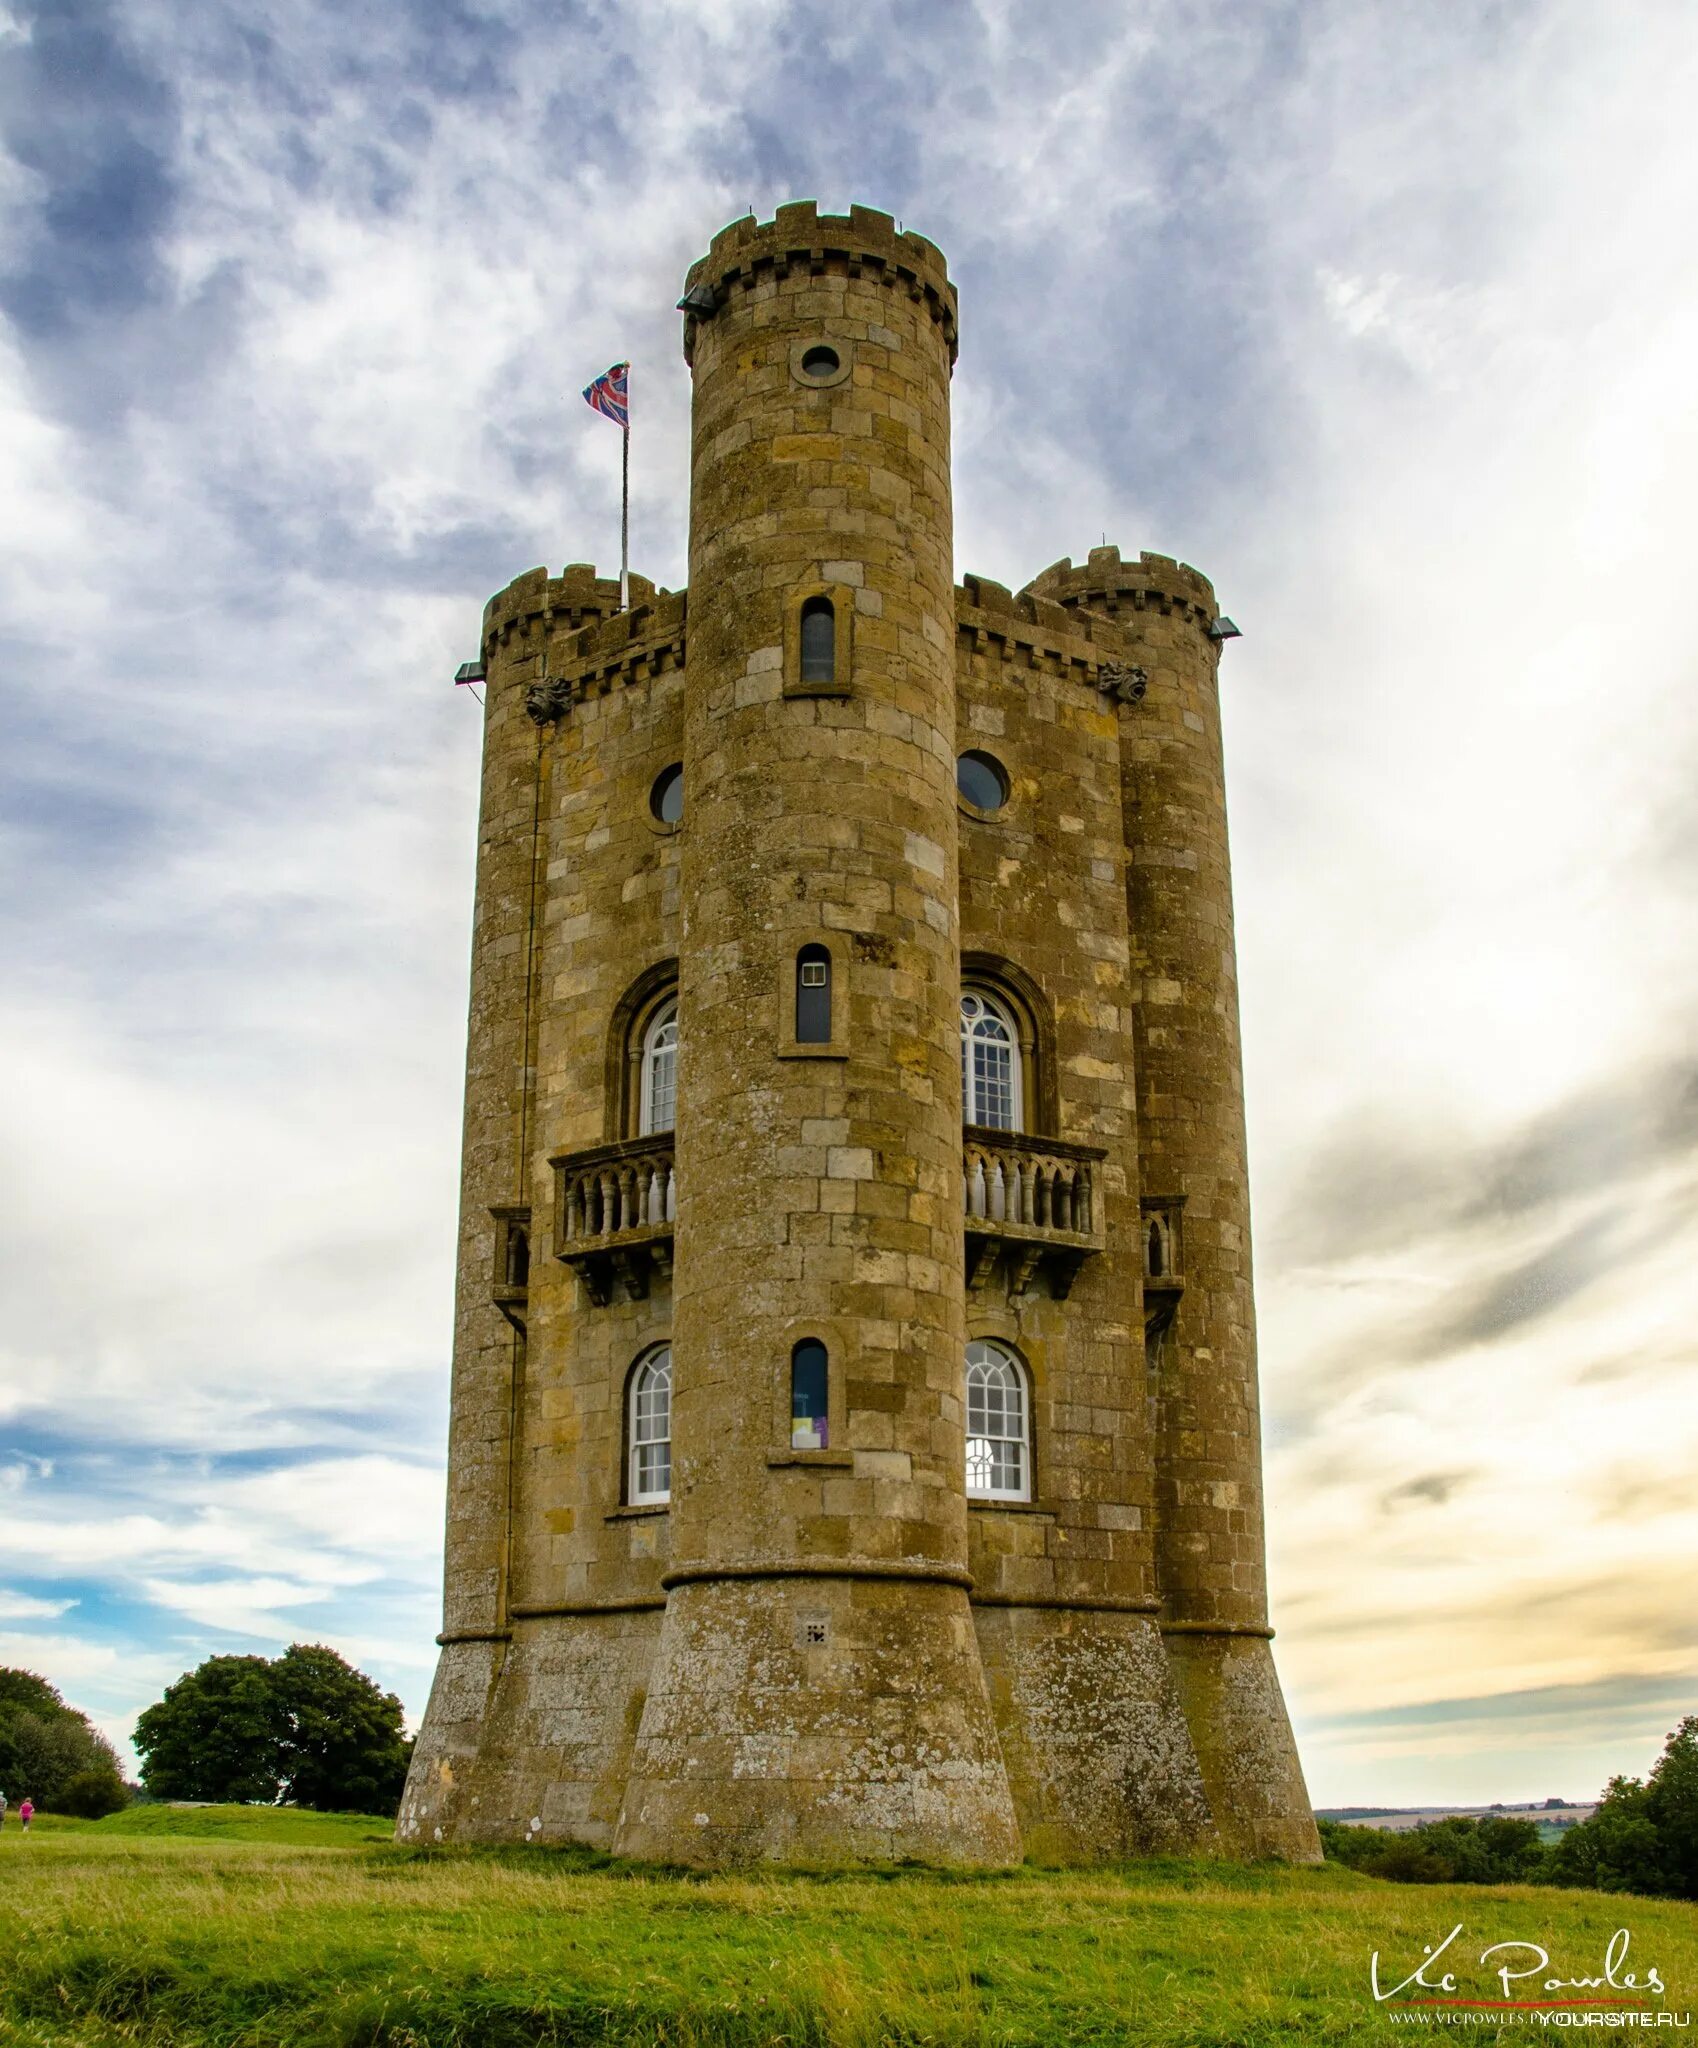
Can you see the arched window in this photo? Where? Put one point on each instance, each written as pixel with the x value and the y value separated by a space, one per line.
pixel 809 1385
pixel 999 1438
pixel 819 641
pixel 1155 1251
pixel 813 996
pixel 990 1063
pixel 648 1430
pixel 659 1094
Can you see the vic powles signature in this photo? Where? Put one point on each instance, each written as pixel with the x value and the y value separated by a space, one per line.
pixel 1616 1976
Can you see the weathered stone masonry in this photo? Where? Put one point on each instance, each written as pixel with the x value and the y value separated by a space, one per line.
pixel 832 1651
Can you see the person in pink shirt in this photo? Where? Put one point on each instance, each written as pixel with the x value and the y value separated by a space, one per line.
pixel 26 1813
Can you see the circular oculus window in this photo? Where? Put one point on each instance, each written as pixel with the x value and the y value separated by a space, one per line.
pixel 982 780
pixel 666 799
pixel 819 364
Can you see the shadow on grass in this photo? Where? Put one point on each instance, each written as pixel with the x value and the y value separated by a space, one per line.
pixel 576 1859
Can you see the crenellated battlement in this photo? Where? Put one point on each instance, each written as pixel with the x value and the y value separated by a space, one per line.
pixel 1106 583
pixel 1034 631
pixel 575 598
pixel 601 648
pixel 861 243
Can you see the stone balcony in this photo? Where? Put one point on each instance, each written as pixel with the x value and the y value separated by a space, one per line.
pixel 1032 1210
pixel 614 1209
pixel 1032 1207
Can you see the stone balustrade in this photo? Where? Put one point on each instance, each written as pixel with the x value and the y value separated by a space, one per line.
pixel 1031 1205
pixel 615 1207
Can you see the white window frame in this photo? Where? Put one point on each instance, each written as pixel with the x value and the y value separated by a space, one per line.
pixel 640 1431
pixel 991 1361
pixel 660 1043
pixel 991 1009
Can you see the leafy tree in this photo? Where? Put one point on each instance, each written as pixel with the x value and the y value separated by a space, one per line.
pixel 92 1795
pixel 1643 1836
pixel 216 1735
pixel 24 1689
pixel 1492 1850
pixel 47 1746
pixel 306 1728
pixel 343 1749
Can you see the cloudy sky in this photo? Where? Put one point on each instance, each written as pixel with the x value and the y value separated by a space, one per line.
pixel 1382 315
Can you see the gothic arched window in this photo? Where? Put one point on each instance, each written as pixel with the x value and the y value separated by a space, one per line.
pixel 999 1436
pixel 990 1063
pixel 659 1090
pixel 648 1430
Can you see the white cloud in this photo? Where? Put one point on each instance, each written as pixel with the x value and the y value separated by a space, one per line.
pixel 26 1607
pixel 1376 322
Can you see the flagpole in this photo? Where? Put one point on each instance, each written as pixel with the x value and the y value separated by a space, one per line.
pixel 625 509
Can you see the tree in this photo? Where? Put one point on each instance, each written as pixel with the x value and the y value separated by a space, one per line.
pixel 1457 1850
pixel 1643 1836
pixel 216 1735
pixel 47 1747
pixel 343 1749
pixel 306 1728
pixel 1489 1850
pixel 92 1795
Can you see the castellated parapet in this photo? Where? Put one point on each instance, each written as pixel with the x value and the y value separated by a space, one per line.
pixel 854 1449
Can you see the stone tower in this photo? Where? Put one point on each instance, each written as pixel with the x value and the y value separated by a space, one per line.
pixel 854 1447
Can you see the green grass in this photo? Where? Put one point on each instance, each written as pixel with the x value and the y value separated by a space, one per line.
pixel 137 1930
pixel 249 1824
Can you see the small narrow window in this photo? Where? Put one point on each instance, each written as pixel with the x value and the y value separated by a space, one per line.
pixel 999 1442
pixel 809 1374
pixel 813 996
pixel 819 641
pixel 518 1255
pixel 649 1430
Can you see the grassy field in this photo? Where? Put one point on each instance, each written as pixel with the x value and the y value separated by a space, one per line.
pixel 276 1930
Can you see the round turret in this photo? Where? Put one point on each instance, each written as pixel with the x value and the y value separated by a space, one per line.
pixel 817 1639
pixel 1210 1556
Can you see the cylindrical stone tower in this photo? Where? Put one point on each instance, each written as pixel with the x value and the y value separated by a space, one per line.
pixel 1210 1557
pixel 817 1693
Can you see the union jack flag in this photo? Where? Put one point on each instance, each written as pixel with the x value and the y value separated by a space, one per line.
pixel 610 395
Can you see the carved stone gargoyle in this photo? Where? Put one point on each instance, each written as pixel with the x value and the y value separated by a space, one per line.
pixel 551 698
pixel 1125 684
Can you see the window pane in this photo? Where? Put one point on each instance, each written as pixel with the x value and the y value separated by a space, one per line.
pixel 993 1084
pixel 813 996
pixel 998 1447
pixel 819 641
pixel 809 1371
pixel 650 1429
pixel 981 781
pixel 990 1073
pixel 666 798
pixel 660 1074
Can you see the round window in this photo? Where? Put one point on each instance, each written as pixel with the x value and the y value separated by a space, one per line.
pixel 821 363
pixel 666 799
pixel 982 780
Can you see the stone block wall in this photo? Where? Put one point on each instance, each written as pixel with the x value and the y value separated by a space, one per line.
pixel 832 1654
